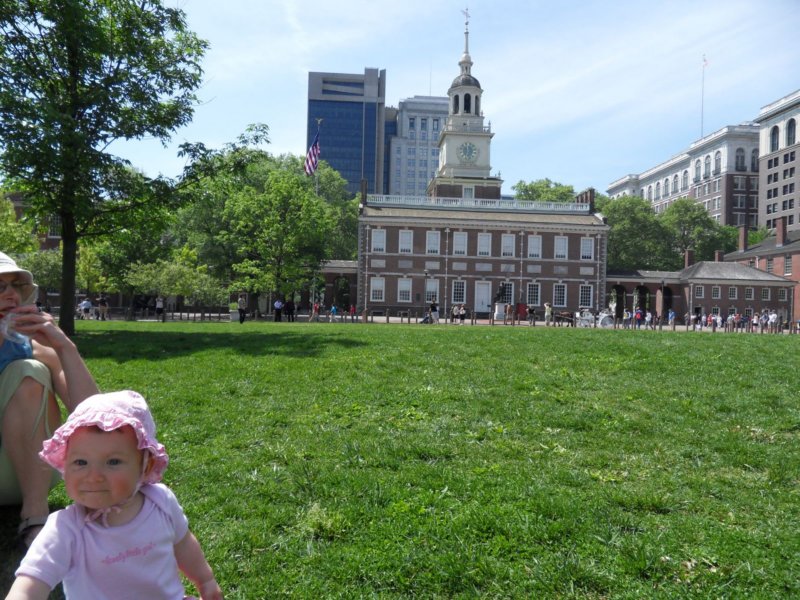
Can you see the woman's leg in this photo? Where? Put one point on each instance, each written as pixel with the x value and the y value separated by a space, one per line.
pixel 24 429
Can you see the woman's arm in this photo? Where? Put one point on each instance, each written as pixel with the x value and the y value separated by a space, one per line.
pixel 192 563
pixel 71 378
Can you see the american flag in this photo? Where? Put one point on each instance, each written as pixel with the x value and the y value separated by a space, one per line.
pixel 312 156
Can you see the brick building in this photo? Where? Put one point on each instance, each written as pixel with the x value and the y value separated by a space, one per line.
pixel 416 250
pixel 716 287
pixel 778 255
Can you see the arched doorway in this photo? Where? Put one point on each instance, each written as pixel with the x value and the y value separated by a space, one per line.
pixel 641 298
pixel 616 299
pixel 667 299
pixel 341 293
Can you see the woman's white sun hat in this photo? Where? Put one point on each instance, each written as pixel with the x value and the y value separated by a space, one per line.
pixel 7 265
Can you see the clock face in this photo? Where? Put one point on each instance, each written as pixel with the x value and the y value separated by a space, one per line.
pixel 468 152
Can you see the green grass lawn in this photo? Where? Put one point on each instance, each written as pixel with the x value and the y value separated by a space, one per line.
pixel 353 461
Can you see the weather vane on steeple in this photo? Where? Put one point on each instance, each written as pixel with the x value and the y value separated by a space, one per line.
pixel 465 12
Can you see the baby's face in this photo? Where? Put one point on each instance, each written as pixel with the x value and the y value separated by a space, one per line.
pixel 102 467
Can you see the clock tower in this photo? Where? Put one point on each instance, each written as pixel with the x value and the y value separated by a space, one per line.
pixel 464 169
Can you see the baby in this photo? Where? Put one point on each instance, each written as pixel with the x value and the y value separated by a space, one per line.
pixel 126 535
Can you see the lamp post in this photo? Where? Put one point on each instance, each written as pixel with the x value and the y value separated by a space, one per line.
pixel 522 298
pixel 424 292
pixel 443 310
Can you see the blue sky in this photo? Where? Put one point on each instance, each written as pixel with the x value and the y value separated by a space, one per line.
pixel 579 91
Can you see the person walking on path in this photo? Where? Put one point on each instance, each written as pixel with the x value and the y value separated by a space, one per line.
pixel 278 306
pixel 86 309
pixel 102 306
pixel 241 306
pixel 288 308
pixel 434 312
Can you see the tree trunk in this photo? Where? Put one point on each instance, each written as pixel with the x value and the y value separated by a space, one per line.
pixel 69 240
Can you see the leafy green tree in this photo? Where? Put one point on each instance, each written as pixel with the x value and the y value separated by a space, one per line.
pixel 46 268
pixel 637 239
pixel 343 241
pixel 727 239
pixel 690 226
pixel 543 190
pixel 757 236
pixel 282 228
pixel 119 250
pixel 15 236
pixel 76 76
pixel 90 271
pixel 258 222
pixel 176 278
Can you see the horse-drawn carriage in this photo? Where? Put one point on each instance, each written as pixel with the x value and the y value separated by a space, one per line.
pixel 587 318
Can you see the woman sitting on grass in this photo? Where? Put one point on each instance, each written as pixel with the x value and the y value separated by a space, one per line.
pixel 32 368
pixel 126 535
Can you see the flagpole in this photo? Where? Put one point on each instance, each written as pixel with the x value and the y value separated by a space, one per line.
pixel 316 173
pixel 312 158
pixel 702 94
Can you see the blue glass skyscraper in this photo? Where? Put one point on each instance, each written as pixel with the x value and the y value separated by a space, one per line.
pixel 353 130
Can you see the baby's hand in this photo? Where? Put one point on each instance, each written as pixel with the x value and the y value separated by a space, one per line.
pixel 210 590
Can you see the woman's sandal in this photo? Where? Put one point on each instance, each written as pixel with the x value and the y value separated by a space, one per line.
pixel 29 528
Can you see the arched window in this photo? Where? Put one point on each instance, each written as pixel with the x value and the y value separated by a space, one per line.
pixel 740 166
pixel 773 139
pixel 666 187
pixel 467 104
pixel 707 166
pixel 697 170
pixel 675 184
pixel 791 132
pixel 649 192
pixel 478 105
pixel 658 191
pixel 455 104
pixel 717 162
pixel 754 160
pixel 685 185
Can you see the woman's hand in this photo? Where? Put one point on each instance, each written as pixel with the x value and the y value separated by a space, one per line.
pixel 39 326
pixel 71 378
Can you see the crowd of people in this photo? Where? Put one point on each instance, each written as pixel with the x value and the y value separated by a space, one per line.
pixel 98 310
pixel 767 321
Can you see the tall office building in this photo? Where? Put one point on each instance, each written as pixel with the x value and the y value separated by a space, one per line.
pixel 353 126
pixel 414 150
pixel 719 171
pixel 780 153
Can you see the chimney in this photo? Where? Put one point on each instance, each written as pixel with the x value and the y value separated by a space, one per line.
pixel 586 197
pixel 743 238
pixel 719 255
pixel 780 232
pixel 688 258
